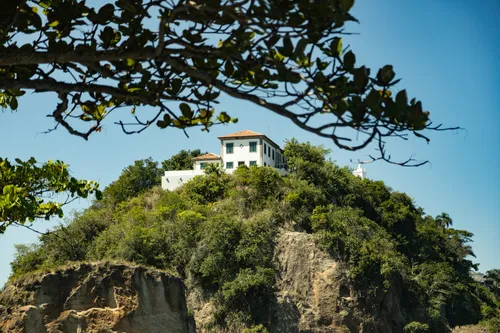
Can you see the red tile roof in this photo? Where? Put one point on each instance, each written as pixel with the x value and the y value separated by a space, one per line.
pixel 206 157
pixel 247 134
pixel 244 133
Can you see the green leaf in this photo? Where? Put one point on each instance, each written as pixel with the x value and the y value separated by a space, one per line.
pixel 361 77
pixel 287 49
pixel 130 62
pixel 386 74
pixel 165 122
pixel 54 24
pixel 13 103
pixel 106 13
pixel 186 110
pixel 176 86
pixel 98 195
pixel 402 99
pixel 224 117
pixel 349 61
pixel 336 46
pixel 107 36
pixel 45 3
pixel 301 46
pixel 373 99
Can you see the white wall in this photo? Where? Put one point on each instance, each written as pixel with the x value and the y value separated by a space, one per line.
pixel 268 157
pixel 174 179
pixel 241 153
pixel 360 172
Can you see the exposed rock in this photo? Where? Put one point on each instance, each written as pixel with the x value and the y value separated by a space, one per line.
pixel 470 329
pixel 96 298
pixel 314 295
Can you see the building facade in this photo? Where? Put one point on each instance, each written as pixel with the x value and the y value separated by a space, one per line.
pixel 250 148
pixel 360 172
pixel 241 148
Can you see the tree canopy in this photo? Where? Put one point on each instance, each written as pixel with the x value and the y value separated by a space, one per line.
pixel 169 63
pixel 28 190
pixel 134 179
pixel 183 160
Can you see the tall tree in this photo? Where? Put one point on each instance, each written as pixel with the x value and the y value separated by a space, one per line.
pixel 443 221
pixel 136 178
pixel 183 160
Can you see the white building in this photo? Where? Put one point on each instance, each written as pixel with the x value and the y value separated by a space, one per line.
pixel 245 147
pixel 360 172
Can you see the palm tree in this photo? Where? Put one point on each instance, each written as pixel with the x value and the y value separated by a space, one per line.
pixel 444 221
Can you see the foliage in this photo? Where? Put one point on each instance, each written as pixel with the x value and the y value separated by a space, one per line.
pixel 27 190
pixel 134 179
pixel 206 189
pixel 364 244
pixel 492 281
pixel 177 57
pixel 416 327
pixel 27 258
pixel 218 233
pixel 183 160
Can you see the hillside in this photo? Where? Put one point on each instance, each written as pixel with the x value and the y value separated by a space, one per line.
pixel 316 251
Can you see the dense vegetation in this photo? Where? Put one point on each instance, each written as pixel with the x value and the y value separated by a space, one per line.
pixel 166 63
pixel 217 232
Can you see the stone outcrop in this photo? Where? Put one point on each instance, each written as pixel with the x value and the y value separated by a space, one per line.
pixel 96 298
pixel 315 296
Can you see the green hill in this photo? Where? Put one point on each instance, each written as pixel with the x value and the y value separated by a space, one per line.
pixel 222 235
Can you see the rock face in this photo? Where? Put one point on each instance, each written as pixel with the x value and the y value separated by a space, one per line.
pixel 314 295
pixel 96 298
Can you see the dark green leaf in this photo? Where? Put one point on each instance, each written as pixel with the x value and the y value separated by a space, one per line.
pixel 349 61
pixel 186 110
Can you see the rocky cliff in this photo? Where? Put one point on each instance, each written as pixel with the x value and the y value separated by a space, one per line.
pixel 96 298
pixel 312 295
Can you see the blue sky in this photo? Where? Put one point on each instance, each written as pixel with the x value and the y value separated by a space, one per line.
pixel 445 51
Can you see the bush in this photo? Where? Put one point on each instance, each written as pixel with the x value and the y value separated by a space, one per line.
pixel 416 327
pixel 27 259
pixel 367 247
pixel 206 189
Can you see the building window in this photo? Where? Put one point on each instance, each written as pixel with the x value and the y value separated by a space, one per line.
pixel 253 147
pixel 253 163
pixel 229 165
pixel 202 166
pixel 269 152
pixel 265 149
pixel 265 164
pixel 241 163
pixel 273 154
pixel 229 148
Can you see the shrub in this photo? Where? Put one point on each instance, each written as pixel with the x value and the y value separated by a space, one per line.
pixel 416 327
